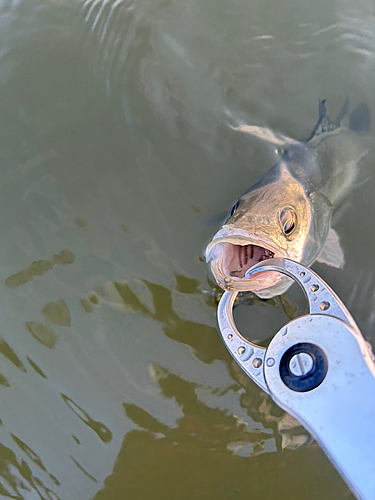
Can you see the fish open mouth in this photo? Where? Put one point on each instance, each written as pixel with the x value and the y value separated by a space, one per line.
pixel 231 254
pixel 237 259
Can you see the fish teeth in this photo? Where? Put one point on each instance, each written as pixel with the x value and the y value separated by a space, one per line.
pixel 267 254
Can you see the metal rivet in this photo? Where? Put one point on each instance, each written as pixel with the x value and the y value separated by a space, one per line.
pixel 230 336
pixel 241 350
pixel 314 288
pixel 257 363
pixel 226 280
pixel 302 273
pixel 270 362
pixel 324 305
pixel 301 364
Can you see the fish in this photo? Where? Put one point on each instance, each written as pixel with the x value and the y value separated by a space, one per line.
pixel 288 211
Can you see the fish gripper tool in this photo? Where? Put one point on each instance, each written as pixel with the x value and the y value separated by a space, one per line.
pixel 319 369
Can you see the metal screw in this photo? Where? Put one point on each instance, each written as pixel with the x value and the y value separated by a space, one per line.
pixel 302 273
pixel 324 306
pixel 241 350
pixel 314 288
pixel 270 362
pixel 257 363
pixel 301 364
pixel 230 336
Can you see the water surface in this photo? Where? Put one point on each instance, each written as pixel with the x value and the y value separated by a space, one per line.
pixel 116 145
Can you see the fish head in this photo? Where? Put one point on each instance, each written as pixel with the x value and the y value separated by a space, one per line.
pixel 275 218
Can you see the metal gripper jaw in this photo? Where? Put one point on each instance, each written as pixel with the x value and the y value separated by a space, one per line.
pixel 319 369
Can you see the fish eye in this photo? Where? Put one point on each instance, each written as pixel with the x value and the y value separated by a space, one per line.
pixel 234 208
pixel 288 220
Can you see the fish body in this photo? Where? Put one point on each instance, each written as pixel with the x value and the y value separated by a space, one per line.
pixel 287 212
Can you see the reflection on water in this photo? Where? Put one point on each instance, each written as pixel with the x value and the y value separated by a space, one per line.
pixel 18 480
pixel 8 352
pixel 57 313
pixel 211 428
pixel 38 268
pixel 4 381
pixel 204 454
pixel 34 457
pixel 36 367
pixel 101 430
pixel 43 333
pixel 86 305
pixel 84 471
pixel 117 139
pixel 202 337
pixel 81 222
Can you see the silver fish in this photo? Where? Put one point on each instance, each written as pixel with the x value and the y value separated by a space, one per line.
pixel 287 212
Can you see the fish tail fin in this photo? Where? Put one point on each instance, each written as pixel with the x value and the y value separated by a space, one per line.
pixel 359 119
pixel 324 124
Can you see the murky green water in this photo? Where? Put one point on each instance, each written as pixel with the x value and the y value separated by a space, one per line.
pixel 115 146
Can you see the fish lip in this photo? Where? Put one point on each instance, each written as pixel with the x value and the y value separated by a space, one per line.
pixel 241 237
pixel 243 242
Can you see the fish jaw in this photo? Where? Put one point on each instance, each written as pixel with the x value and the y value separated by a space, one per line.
pixel 233 251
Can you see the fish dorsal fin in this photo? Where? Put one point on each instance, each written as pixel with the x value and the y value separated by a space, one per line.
pixel 324 124
pixel 266 134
